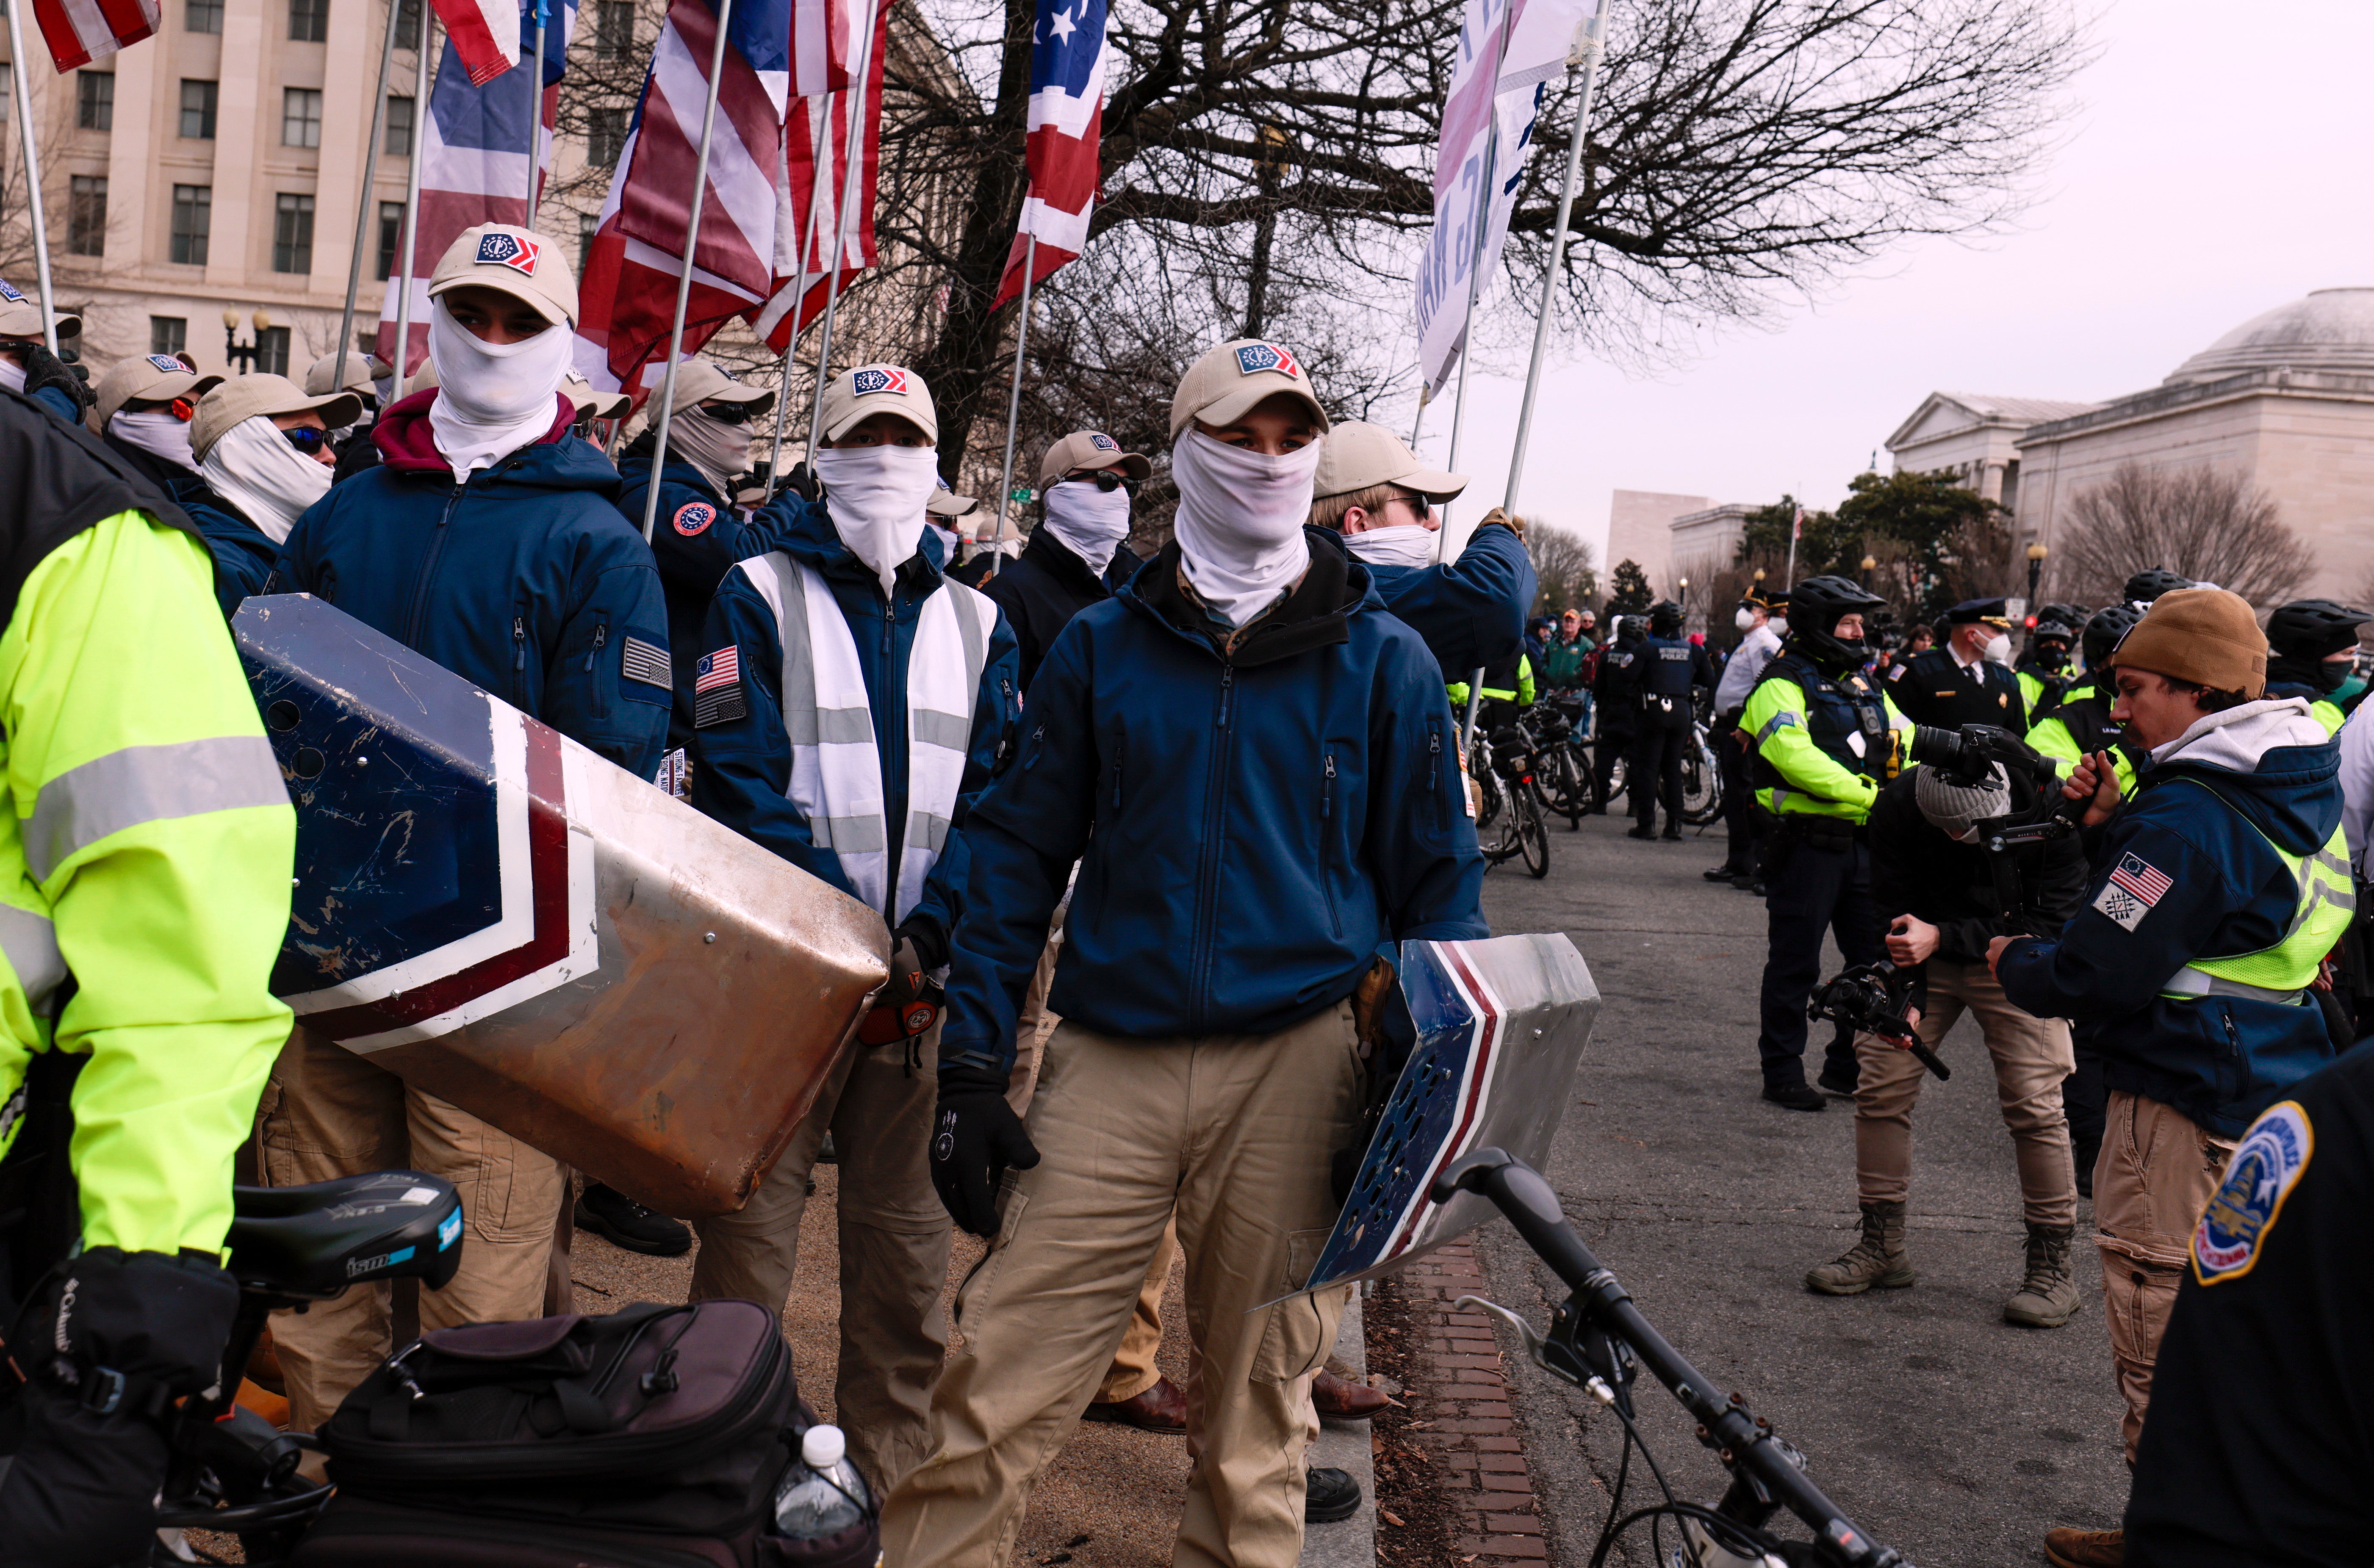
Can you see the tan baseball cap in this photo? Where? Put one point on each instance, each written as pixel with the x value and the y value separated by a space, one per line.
pixel 2205 636
pixel 520 261
pixel 1356 455
pixel 244 397
pixel 585 399
pixel 20 315
pixel 328 374
pixel 422 378
pixel 879 389
pixel 1226 383
pixel 947 503
pixel 145 378
pixel 703 381
pixel 1090 449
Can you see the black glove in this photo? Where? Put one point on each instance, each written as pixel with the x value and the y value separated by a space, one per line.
pixel 976 1137
pixel 43 368
pixel 802 481
pixel 106 1345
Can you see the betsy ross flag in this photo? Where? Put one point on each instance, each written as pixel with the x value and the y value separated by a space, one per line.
pixel 816 162
pixel 474 156
pixel 484 40
pixel 79 31
pixel 1069 57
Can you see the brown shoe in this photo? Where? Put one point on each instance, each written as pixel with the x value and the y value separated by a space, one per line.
pixel 2065 1547
pixel 1344 1400
pixel 1161 1408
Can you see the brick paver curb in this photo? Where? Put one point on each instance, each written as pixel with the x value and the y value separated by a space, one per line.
pixel 1461 1412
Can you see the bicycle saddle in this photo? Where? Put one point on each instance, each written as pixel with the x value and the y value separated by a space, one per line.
pixel 315 1241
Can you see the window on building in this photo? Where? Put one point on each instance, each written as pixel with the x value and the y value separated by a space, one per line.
pixel 301 117
pixel 272 348
pixel 194 217
pixel 398 143
pixel 293 233
pixel 95 101
pixel 202 16
pixel 586 224
pixel 86 215
pixel 391 236
pixel 408 24
pixel 614 30
pixel 308 20
pixel 605 136
pixel 169 334
pixel 198 110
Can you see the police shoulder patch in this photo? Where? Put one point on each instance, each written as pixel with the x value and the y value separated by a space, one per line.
pixel 693 517
pixel 2266 1165
pixel 1897 674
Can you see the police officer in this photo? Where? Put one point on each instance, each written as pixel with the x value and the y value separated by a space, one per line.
pixel 1620 717
pixel 2145 586
pixel 150 845
pixel 1824 739
pixel 1672 672
pixel 2218 890
pixel 1967 680
pixel 1755 617
pixel 2043 667
pixel 2311 649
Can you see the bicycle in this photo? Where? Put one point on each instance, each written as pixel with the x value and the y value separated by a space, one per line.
pixel 1598 1341
pixel 1562 761
pixel 1502 766
pixel 1702 778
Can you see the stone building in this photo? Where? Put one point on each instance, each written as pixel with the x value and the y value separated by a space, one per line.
pixel 1975 437
pixel 1640 528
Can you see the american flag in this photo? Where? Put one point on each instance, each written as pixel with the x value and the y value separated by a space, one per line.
pixel 721 668
pixel 1069 57
pixel 79 31
pixel 815 159
pixel 474 157
pixel 2140 877
pixel 484 40
pixel 627 289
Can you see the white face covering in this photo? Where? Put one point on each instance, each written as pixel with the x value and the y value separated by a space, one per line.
pixel 1998 649
pixel 1745 620
pixel 254 467
pixel 1780 624
pixel 1240 522
pixel 12 375
pixel 1408 545
pixel 492 398
pixel 1092 522
pixel 720 450
pixel 157 432
pixel 876 496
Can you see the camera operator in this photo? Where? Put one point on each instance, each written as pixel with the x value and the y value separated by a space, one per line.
pixel 2219 890
pixel 1941 894
pixel 1824 738
pixel 1755 616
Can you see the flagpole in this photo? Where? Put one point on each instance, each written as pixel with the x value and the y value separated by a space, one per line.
pixel 857 88
pixel 1012 408
pixel 791 342
pixel 536 111
pixel 424 85
pixel 24 97
pixel 684 278
pixel 370 188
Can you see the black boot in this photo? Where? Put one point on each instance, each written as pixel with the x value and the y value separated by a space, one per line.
pixel 620 1221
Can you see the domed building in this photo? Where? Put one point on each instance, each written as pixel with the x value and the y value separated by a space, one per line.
pixel 2285 400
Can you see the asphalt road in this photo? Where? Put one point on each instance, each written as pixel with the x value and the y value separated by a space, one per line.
pixel 1942 1431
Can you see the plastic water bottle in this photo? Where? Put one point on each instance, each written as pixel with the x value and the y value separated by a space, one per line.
pixel 823 1495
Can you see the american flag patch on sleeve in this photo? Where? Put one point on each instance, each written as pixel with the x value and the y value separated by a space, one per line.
pixel 2135 886
pixel 717 689
pixel 644 663
pixel 722 668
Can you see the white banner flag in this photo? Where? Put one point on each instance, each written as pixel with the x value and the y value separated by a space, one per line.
pixel 1530 40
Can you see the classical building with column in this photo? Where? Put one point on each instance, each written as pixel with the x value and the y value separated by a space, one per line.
pixel 1974 437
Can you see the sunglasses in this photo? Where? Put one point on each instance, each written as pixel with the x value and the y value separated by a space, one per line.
pixel 1105 479
pixel 306 440
pixel 729 413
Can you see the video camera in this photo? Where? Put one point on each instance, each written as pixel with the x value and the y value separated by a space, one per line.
pixel 1864 998
pixel 1968 756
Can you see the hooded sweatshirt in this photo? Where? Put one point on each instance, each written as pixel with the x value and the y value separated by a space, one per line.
pixel 2210 809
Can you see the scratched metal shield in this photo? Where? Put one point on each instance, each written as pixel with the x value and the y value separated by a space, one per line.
pixel 1500 1026
pixel 497 915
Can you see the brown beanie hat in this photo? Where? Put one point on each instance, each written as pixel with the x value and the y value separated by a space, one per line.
pixel 2205 636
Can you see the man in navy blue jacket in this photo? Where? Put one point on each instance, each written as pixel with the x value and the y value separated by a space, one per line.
pixel 1256 767
pixel 851 704
pixel 2219 888
pixel 488 539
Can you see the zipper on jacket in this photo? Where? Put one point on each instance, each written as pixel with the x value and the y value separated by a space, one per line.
pixel 518 653
pixel 1036 745
pixel 428 569
pixel 1434 777
pixel 1327 844
pixel 601 638
pixel 1208 875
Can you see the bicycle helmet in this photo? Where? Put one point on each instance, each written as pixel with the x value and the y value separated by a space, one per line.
pixel 2311 628
pixel 2149 584
pixel 1664 618
pixel 2105 630
pixel 1817 605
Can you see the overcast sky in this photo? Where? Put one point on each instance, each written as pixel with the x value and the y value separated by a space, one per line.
pixel 2217 167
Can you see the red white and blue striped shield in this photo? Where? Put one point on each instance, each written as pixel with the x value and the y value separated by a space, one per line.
pixel 495 914
pixel 1500 1025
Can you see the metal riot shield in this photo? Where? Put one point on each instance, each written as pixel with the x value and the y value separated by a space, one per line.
pixel 1500 1027
pixel 497 915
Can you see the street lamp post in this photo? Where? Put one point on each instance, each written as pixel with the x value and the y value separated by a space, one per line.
pixel 1868 563
pixel 243 354
pixel 2036 553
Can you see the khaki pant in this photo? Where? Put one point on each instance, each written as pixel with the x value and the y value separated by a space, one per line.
pixel 327 1112
pixel 2157 1171
pixel 894 1235
pixel 2031 1056
pixel 1230 1133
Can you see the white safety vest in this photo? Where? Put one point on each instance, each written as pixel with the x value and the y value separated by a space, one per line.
pixel 836 774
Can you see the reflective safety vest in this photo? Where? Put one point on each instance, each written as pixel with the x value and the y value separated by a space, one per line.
pixel 2283 971
pixel 1846 719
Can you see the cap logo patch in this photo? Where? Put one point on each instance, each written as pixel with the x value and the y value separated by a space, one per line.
pixel 1103 443
pixel 8 292
pixel 168 364
pixel 2265 1167
pixel 1256 357
pixel 694 516
pixel 864 383
pixel 509 250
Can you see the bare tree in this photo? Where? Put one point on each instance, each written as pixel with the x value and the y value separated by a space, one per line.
pixel 1564 564
pixel 2203 521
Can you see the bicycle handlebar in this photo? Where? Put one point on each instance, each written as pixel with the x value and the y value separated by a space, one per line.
pixel 1744 1442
